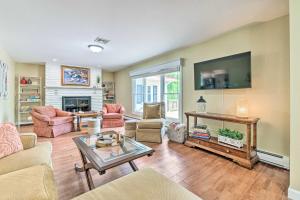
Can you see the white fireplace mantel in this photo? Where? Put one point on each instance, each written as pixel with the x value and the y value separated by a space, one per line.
pixel 73 87
pixel 54 91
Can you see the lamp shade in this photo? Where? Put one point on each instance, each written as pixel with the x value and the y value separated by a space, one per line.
pixel 242 108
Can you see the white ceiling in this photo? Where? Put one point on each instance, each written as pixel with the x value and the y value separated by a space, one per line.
pixel 40 30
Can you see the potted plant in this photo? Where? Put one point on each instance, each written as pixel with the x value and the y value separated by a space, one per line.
pixel 231 137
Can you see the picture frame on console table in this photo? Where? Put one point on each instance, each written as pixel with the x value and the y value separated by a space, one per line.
pixel 75 76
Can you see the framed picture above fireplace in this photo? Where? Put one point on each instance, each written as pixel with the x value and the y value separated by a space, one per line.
pixel 75 76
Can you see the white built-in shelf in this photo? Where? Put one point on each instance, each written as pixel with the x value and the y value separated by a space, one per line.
pixel 29 85
pixel 30 101
pixel 25 100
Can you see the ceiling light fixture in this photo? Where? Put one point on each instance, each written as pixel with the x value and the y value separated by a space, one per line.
pixel 95 48
pixel 54 59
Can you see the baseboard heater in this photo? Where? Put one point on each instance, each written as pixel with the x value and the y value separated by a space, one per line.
pixel 273 159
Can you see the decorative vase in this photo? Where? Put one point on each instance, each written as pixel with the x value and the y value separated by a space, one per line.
pixel 23 81
pixel 201 105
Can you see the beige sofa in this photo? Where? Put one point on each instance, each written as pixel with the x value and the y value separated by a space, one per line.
pixel 28 174
pixel 145 184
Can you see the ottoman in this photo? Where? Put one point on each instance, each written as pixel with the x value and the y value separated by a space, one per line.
pixel 130 128
pixel 176 132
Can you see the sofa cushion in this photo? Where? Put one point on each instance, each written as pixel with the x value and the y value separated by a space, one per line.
pixel 113 108
pixel 45 110
pixel 112 116
pixel 150 124
pixel 35 182
pixel 152 111
pixel 60 120
pixel 28 140
pixel 10 141
pixel 39 154
pixel 145 184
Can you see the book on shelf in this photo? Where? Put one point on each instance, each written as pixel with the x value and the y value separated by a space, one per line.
pixel 200 132
pixel 200 137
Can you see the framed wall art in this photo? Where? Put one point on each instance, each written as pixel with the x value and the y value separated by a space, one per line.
pixel 3 79
pixel 75 76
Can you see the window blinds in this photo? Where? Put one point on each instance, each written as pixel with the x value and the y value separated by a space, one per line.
pixel 164 68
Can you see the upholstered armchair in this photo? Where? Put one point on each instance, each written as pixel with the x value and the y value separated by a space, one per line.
pixel 113 115
pixel 151 127
pixel 51 122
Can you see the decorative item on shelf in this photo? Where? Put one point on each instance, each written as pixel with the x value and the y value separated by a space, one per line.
pixel 109 138
pixel 29 81
pixel 242 110
pixel 201 105
pixel 98 81
pixel 23 81
pixel 234 138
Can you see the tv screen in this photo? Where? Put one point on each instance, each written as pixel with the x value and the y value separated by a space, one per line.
pixel 229 72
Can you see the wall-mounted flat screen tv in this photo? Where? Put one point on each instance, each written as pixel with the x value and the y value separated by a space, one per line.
pixel 228 72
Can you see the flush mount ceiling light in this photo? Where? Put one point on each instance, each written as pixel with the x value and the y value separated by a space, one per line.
pixel 95 48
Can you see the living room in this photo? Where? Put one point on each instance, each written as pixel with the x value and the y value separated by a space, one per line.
pixel 166 100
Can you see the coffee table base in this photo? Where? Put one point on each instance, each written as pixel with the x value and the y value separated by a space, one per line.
pixel 87 166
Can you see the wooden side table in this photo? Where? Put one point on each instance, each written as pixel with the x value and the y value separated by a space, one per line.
pixel 245 156
pixel 79 116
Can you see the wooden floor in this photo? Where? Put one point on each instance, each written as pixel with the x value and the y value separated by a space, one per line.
pixel 205 174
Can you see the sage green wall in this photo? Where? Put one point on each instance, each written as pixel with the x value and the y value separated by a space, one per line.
pixel 7 105
pixel 269 96
pixel 295 94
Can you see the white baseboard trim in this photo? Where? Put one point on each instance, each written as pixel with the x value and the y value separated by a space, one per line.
pixel 274 159
pixel 293 194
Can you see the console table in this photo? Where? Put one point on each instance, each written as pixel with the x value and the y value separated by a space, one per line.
pixel 245 156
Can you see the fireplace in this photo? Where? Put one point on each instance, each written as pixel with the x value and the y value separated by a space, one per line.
pixel 76 103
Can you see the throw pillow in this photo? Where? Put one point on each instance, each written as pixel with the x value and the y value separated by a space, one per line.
pixel 113 108
pixel 153 111
pixel 10 141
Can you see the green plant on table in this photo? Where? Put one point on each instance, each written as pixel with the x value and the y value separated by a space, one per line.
pixel 233 134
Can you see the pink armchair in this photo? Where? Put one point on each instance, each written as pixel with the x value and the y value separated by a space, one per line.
pixel 51 122
pixel 113 115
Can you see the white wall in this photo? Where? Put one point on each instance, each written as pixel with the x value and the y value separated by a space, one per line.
pixel 54 91
pixel 294 190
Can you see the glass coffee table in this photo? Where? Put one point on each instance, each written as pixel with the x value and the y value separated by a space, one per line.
pixel 103 158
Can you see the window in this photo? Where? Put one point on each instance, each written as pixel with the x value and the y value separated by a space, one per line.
pixel 164 87
pixel 171 95
pixel 155 93
pixel 138 95
pixel 149 97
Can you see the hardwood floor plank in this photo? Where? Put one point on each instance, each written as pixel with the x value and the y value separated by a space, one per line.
pixel 207 175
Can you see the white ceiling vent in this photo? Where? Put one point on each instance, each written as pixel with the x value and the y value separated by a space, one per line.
pixel 102 40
